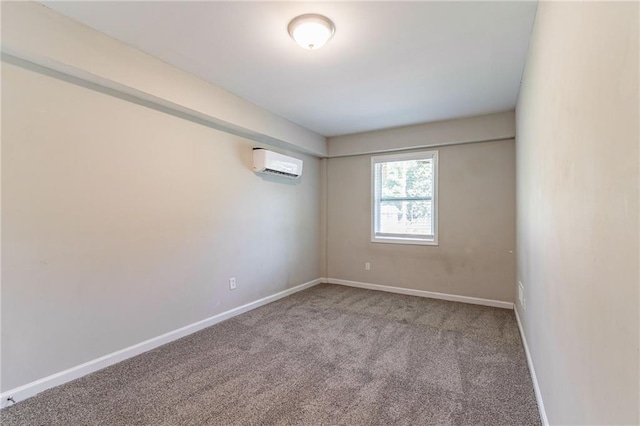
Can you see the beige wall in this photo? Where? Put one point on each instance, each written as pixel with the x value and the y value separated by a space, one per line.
pixel 476 226
pixel 578 181
pixel 497 126
pixel 121 223
pixel 32 31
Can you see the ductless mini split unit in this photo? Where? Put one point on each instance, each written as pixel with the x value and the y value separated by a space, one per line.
pixel 272 163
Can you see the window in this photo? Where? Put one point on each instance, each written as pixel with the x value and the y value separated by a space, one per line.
pixel 405 198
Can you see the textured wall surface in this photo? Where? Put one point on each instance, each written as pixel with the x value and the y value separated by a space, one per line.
pixel 476 226
pixel 121 223
pixel 577 161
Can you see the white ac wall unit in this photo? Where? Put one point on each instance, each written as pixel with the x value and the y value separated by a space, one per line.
pixel 269 162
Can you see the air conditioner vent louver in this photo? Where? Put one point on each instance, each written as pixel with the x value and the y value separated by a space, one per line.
pixel 278 172
pixel 269 162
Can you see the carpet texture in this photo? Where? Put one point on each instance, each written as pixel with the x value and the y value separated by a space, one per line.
pixel 329 355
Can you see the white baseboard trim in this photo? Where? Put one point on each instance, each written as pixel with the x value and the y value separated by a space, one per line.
pixel 423 293
pixel 534 378
pixel 30 389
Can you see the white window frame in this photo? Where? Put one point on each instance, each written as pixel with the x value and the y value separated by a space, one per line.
pixel 408 239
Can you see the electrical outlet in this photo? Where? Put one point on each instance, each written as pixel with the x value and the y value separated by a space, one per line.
pixel 232 283
pixel 367 266
pixel 521 295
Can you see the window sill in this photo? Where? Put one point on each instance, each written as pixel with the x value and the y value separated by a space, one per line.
pixel 410 241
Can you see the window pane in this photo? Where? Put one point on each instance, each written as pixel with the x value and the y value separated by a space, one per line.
pixel 406 217
pixel 404 204
pixel 411 178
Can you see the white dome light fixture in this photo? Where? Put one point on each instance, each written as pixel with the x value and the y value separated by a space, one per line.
pixel 311 31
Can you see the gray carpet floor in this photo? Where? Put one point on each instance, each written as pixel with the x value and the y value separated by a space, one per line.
pixel 330 355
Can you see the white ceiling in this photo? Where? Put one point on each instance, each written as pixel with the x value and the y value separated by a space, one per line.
pixel 389 63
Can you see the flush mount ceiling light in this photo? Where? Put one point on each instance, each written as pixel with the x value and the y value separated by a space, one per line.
pixel 311 31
